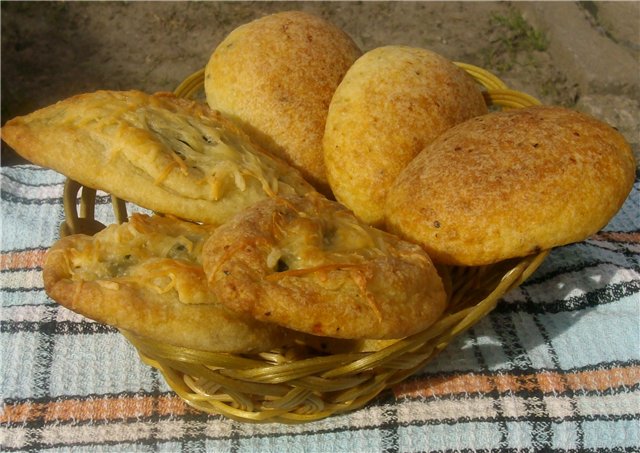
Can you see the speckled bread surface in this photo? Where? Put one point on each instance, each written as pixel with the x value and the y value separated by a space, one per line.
pixel 308 264
pixel 511 183
pixel 145 276
pixel 164 153
pixel 392 102
pixel 276 75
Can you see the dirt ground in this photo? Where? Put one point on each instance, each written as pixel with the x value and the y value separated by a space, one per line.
pixel 52 50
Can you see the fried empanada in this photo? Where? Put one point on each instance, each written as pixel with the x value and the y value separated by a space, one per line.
pixel 510 184
pixel 145 277
pixel 309 264
pixel 392 102
pixel 276 75
pixel 161 152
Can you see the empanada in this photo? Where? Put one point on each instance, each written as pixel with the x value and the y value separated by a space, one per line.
pixel 392 102
pixel 276 75
pixel 145 277
pixel 159 151
pixel 511 183
pixel 308 264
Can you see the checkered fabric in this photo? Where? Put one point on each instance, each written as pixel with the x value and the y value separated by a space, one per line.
pixel 555 367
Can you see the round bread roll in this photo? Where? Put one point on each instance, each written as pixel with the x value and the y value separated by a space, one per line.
pixel 511 183
pixel 309 264
pixel 276 76
pixel 392 102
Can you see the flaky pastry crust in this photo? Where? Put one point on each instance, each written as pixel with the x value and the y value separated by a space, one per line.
pixel 164 153
pixel 145 277
pixel 308 264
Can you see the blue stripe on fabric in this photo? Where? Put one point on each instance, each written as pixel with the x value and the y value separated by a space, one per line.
pixel 102 448
pixel 366 440
pixel 458 356
pixel 604 333
pixel 102 363
pixel 564 435
pixel 32 174
pixel 519 435
pixel 575 257
pixel 489 345
pixel 42 222
pixel 605 434
pixel 445 437
pixel 16 298
pixel 173 447
pixel 220 446
pixel 533 341
pixel 17 373
pixel 579 338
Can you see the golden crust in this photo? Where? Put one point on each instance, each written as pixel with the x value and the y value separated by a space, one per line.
pixel 308 264
pixel 145 277
pixel 511 183
pixel 164 153
pixel 276 75
pixel 392 102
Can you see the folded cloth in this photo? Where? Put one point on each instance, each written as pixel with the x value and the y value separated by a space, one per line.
pixel 555 366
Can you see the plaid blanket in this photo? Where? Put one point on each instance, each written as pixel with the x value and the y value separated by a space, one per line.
pixel 555 367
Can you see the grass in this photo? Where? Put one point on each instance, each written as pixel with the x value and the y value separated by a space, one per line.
pixel 514 41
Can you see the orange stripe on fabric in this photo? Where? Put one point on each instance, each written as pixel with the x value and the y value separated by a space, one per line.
pixel 27 259
pixel 94 409
pixel 173 405
pixel 548 382
pixel 604 379
pixel 140 407
pixel 18 413
pixel 436 386
pixel 99 408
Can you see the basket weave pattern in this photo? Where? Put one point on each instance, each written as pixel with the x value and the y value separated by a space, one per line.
pixel 298 384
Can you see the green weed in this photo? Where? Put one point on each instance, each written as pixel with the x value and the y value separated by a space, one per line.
pixel 513 41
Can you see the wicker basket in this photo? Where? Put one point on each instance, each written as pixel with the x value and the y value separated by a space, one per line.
pixel 299 384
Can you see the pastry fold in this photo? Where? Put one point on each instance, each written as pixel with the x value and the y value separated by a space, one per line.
pixel 164 153
pixel 145 276
pixel 308 264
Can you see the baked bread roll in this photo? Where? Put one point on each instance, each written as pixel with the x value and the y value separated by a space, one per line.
pixel 308 264
pixel 392 102
pixel 276 76
pixel 161 152
pixel 145 277
pixel 511 183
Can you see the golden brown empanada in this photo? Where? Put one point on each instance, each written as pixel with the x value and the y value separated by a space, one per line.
pixel 276 75
pixel 511 183
pixel 145 277
pixel 392 102
pixel 308 264
pixel 159 151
